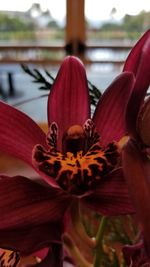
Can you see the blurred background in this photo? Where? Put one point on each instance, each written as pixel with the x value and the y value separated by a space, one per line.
pixel 40 33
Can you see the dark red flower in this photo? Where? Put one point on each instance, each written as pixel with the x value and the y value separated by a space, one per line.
pixel 138 62
pixel 78 159
pixel 136 163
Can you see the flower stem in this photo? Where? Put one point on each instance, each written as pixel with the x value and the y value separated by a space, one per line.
pixel 78 225
pixel 75 252
pixel 99 243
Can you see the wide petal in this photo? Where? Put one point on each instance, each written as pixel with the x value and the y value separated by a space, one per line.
pixel 137 172
pixel 31 239
pixel 25 203
pixel 138 62
pixel 111 197
pixel 68 102
pixel 109 116
pixel 18 133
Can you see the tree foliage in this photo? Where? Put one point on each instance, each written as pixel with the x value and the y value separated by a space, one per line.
pixel 130 23
pixel 9 23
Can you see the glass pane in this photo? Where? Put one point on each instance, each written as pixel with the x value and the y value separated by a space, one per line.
pixel 30 23
pixel 36 21
pixel 31 33
pixel 112 27
pixel 115 19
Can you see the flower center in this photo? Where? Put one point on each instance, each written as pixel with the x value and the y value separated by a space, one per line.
pixel 83 162
pixel 74 140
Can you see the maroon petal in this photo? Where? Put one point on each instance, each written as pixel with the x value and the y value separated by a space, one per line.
pixel 25 203
pixel 42 253
pixel 109 116
pixel 18 133
pixel 53 259
pixel 137 170
pixel 134 57
pixel 135 255
pixel 138 62
pixel 30 239
pixel 111 198
pixel 68 102
pixel 143 123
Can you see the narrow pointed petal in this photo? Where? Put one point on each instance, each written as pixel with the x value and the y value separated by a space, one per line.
pixel 109 116
pixel 53 259
pixel 25 203
pixel 112 197
pixel 137 170
pixel 134 57
pixel 31 239
pixel 68 102
pixel 18 133
pixel 138 62
pixel 143 123
pixel 135 255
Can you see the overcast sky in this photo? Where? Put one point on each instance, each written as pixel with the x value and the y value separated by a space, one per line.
pixel 94 9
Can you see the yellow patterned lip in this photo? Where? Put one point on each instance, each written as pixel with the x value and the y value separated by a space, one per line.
pixel 77 172
pixel 9 258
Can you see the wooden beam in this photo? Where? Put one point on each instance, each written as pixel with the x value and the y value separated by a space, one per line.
pixel 75 26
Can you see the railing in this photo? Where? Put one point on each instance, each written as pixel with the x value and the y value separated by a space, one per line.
pixel 36 54
pixel 54 54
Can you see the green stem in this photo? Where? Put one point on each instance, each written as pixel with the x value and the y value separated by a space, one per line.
pixel 75 252
pixel 78 225
pixel 99 243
